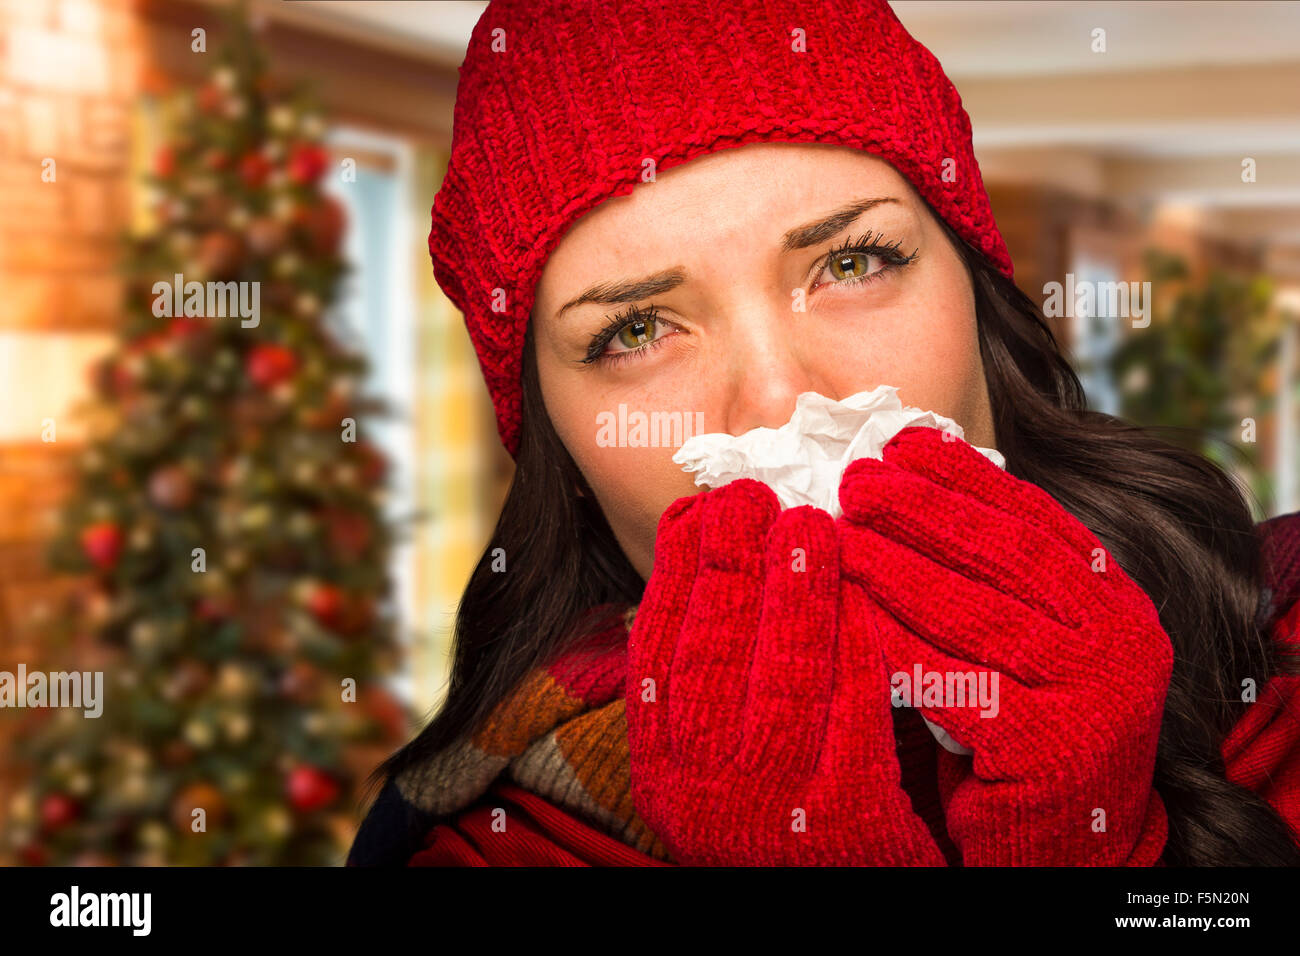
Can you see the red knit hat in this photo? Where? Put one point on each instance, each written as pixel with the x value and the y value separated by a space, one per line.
pixel 561 104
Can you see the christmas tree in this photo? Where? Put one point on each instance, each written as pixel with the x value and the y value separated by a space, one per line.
pixel 229 513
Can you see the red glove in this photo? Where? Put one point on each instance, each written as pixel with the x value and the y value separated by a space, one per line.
pixel 984 572
pixel 759 734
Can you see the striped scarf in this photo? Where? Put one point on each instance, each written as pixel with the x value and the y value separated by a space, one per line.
pixel 561 735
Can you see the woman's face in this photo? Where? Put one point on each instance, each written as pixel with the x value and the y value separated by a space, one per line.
pixel 747 258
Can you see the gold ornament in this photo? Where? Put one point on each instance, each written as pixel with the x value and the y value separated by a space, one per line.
pixel 152 835
pixel 277 822
pixel 284 208
pixel 233 681
pixel 22 808
pixel 183 243
pixel 281 119
pixel 307 305
pixel 315 723
pixel 256 517
pixel 136 757
pixel 198 733
pixel 144 635
pixel 204 184
pixel 236 726
pixel 193 408
pixel 283 393
pixel 214 583
pixel 286 264
pixel 133 790
pixel 301 524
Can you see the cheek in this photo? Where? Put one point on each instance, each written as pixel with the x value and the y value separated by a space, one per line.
pixel 633 485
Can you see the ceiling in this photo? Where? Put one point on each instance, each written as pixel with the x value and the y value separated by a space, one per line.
pixel 1183 92
pixel 970 37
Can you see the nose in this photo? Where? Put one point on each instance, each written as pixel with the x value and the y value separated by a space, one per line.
pixel 768 367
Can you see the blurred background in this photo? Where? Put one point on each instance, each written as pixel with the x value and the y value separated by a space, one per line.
pixel 300 145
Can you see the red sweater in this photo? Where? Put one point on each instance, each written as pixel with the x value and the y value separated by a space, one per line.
pixel 1262 753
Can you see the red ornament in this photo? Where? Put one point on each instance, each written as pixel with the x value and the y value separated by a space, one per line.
pixel 212 608
pixel 164 162
pixel 384 709
pixel 254 169
pixel 301 682
pixel 58 810
pixel 33 854
pixel 310 788
pixel 216 159
pixel 210 97
pixel 359 615
pixel 373 464
pixel 220 253
pixel 306 163
pixel 189 335
pixel 185 327
pixel 326 603
pixel 171 487
pixel 102 543
pixel 144 343
pixel 268 365
pixel 349 533
pixel 121 379
pixel 323 223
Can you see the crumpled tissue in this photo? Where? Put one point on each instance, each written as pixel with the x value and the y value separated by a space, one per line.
pixel 802 461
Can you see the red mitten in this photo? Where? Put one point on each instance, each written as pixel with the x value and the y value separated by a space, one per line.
pixel 759 731
pixel 984 573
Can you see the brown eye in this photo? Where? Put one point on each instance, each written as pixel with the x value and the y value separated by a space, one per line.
pixel 851 265
pixel 637 332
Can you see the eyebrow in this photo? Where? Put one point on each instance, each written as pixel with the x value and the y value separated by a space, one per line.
pixel 800 237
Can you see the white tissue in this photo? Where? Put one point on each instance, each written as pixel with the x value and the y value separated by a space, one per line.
pixel 802 461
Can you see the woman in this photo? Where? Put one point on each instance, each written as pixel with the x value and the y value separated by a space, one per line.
pixel 708 210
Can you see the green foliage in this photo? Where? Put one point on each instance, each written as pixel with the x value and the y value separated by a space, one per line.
pixel 1206 366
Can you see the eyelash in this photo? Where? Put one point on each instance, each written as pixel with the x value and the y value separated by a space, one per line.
pixel 596 351
pixel 869 245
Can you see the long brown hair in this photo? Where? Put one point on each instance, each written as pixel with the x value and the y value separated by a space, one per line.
pixel 1178 525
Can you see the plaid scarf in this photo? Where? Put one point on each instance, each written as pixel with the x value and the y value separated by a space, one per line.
pixel 562 735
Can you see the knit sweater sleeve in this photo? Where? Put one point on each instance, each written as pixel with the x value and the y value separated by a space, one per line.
pixel 1262 752
pixel 511 827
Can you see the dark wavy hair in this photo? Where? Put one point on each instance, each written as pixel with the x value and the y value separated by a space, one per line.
pixel 1179 526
